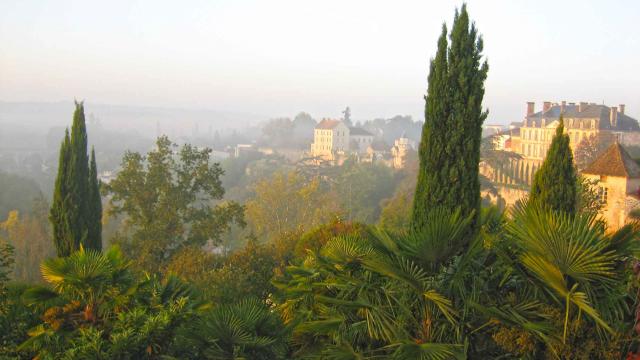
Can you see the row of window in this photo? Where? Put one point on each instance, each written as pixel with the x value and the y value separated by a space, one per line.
pixel 534 150
pixel 572 123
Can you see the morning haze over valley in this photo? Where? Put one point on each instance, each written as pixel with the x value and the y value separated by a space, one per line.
pixel 319 180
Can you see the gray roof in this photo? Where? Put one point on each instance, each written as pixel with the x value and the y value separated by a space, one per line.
pixel 589 111
pixel 359 131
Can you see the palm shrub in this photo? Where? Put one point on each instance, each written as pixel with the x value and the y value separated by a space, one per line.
pixel 556 286
pixel 96 307
pixel 539 284
pixel 244 330
pixel 377 296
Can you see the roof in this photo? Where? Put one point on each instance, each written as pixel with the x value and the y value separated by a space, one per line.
pixel 615 161
pixel 589 111
pixel 359 131
pixel 327 124
pixel 379 145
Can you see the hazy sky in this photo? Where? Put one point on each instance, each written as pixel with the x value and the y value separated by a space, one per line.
pixel 280 57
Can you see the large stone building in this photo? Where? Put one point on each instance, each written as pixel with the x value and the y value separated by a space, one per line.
pixel 334 140
pixel 617 177
pixel 330 140
pixel 581 120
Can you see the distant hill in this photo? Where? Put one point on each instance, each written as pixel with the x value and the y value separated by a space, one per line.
pixel 40 116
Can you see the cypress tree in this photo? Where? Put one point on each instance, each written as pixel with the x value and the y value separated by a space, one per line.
pixel 94 217
pixel 450 146
pixel 78 178
pixel 554 184
pixel 74 209
pixel 58 215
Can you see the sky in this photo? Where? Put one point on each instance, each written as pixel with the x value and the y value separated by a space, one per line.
pixel 279 57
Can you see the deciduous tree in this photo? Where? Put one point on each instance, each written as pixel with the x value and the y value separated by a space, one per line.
pixel 171 199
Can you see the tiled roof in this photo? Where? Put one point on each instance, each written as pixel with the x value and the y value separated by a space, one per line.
pixel 359 131
pixel 327 124
pixel 589 111
pixel 615 161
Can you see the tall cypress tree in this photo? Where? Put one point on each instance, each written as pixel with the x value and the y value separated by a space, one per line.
pixel 554 185
pixel 94 217
pixel 450 146
pixel 58 215
pixel 78 177
pixel 73 211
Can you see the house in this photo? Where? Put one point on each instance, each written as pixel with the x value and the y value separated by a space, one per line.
pixel 532 139
pixel 400 151
pixel 581 120
pixel 359 139
pixel 333 141
pixel 618 182
pixel 330 139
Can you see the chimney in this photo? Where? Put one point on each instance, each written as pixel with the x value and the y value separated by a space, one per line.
pixel 531 108
pixel 582 106
pixel 563 106
pixel 613 116
pixel 621 106
pixel 546 106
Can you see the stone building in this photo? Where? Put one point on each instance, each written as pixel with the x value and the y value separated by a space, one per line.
pixel 400 151
pixel 581 120
pixel 359 139
pixel 334 141
pixel 330 140
pixel 618 183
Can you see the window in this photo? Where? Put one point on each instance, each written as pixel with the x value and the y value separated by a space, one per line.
pixel 604 193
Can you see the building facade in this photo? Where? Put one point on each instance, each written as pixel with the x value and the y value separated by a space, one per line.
pixel 359 139
pixel 330 140
pixel 532 139
pixel 581 120
pixel 400 151
pixel 617 180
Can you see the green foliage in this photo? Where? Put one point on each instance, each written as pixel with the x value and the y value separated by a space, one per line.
pixel 59 216
pixel 246 329
pixel 245 274
pixel 450 146
pixel 73 213
pixel 94 210
pixel 361 188
pixel 28 233
pixel 554 185
pixel 96 307
pixel 16 193
pixel 395 215
pixel 315 239
pixel 16 318
pixel 539 285
pixel 6 265
pixel 169 203
pixel 588 199
pixel 281 206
